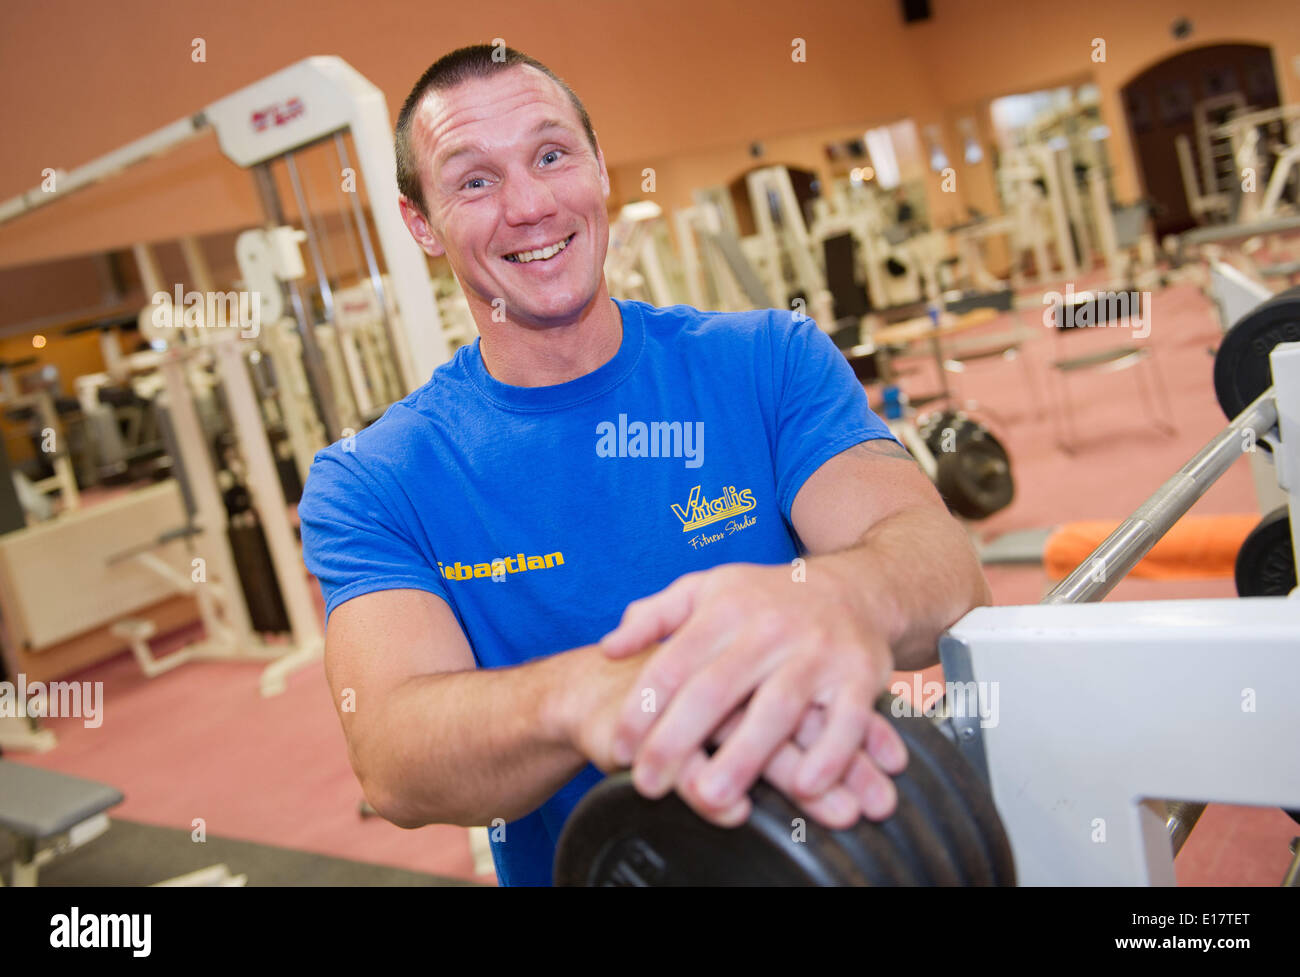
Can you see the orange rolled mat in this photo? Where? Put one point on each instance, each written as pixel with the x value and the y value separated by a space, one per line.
pixel 1196 548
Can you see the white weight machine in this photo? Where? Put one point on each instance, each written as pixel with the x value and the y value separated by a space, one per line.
pixel 316 100
pixel 783 241
pixel 1113 724
pixel 1247 136
pixel 785 256
pixel 639 263
pixel 880 245
pixel 1048 208
pixel 1039 215
pixel 331 376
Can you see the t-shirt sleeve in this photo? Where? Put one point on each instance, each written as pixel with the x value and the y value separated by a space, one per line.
pixel 821 408
pixel 352 541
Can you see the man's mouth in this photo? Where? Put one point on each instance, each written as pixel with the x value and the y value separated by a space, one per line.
pixel 541 254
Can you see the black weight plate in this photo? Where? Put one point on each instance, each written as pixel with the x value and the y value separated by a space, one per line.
pixel 921 841
pixel 975 480
pixel 820 853
pixel 947 810
pixel 1266 561
pixel 961 782
pixel 876 857
pixel 617 837
pixel 1241 368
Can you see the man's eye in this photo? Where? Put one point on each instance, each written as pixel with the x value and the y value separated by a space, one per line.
pixel 553 153
pixel 469 184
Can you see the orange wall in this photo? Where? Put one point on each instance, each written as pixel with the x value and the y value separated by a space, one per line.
pixel 688 80
pixel 658 77
pixel 972 51
pixel 1023 46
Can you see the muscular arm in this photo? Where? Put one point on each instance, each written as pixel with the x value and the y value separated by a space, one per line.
pixel 876 526
pixel 435 740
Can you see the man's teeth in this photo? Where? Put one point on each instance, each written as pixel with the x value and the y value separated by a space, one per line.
pixel 541 254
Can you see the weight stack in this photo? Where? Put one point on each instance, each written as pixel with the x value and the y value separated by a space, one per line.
pixel 257 573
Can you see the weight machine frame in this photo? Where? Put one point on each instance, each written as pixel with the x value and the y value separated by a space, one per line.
pixel 1184 701
pixel 313 100
pixel 309 102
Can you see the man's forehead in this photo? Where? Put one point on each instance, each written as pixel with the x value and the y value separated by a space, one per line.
pixel 443 119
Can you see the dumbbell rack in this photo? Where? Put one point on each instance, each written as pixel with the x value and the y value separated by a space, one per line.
pixel 1100 713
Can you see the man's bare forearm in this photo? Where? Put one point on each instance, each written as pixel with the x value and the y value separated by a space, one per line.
pixel 469 747
pixel 913 574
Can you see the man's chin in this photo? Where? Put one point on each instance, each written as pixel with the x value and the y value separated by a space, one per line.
pixel 549 313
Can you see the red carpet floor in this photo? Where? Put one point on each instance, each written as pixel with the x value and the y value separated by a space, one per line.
pixel 201 743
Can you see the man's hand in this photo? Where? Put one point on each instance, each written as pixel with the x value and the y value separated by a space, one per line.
pixel 749 635
pixel 594 703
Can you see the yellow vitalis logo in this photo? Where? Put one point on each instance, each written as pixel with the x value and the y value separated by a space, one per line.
pixel 498 567
pixel 700 512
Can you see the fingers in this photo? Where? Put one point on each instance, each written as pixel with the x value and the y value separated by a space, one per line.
pixel 810 727
pixel 684 657
pixel 847 722
pixel 865 790
pixel 874 791
pixel 729 727
pixel 837 808
pixel 652 618
pixel 869 777
pixel 884 745
pixel 694 712
pixel 772 717
pixel 730 816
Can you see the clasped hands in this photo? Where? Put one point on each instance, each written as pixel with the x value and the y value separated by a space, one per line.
pixel 780 676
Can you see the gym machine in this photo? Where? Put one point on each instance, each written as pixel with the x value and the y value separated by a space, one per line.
pixel 853 227
pixel 783 241
pixel 121 434
pixel 317 100
pixel 240 534
pixel 1265 143
pixel 719 269
pixel 1077 741
pixel 639 263
pixel 1034 192
pixel 320 374
pixel 34 399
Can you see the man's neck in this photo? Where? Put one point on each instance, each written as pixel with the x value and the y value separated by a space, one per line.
pixel 530 356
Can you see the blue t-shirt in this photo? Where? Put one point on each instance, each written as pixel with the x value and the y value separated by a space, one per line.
pixel 539 513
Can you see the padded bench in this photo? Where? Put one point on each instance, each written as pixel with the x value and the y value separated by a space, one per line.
pixel 48 813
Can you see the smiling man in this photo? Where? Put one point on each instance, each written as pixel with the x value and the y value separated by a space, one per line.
pixel 513 608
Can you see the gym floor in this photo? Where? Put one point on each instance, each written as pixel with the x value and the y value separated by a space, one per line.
pixel 201 743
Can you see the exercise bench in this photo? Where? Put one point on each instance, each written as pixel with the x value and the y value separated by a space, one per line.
pixel 48 814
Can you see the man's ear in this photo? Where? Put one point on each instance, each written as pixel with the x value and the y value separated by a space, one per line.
pixel 420 228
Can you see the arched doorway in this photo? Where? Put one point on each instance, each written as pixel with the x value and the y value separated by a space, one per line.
pixel 1189 95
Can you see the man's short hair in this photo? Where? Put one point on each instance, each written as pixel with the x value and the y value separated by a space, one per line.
pixel 456 68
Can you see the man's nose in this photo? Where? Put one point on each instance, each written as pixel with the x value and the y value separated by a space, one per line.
pixel 528 198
